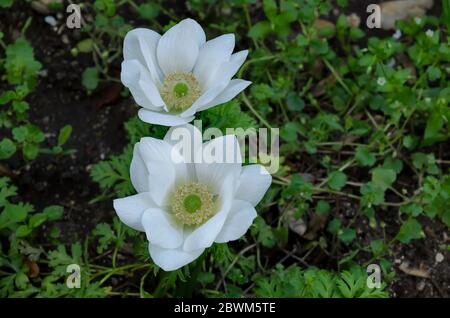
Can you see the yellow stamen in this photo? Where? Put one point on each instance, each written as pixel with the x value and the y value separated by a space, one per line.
pixel 180 91
pixel 192 204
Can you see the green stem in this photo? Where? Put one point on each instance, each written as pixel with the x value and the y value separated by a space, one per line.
pixel 252 109
pixel 187 289
pixel 338 77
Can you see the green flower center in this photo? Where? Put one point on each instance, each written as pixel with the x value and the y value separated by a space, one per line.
pixel 179 91
pixel 192 204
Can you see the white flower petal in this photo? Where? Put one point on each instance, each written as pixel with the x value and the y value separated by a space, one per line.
pixel 140 44
pixel 212 54
pixel 204 235
pixel 130 209
pixel 137 79
pixel 138 171
pixel 165 168
pixel 164 119
pixel 186 139
pixel 220 84
pixel 161 229
pixel 178 48
pixel 220 157
pixel 172 259
pixel 254 182
pixel 206 98
pixel 239 220
pixel 234 87
pixel 226 70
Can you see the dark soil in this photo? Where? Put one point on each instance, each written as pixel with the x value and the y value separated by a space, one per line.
pixel 98 133
pixel 60 99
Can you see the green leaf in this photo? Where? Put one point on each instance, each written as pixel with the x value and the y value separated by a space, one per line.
pixel 23 230
pixel 411 209
pixel 53 212
pixel 259 30
pixel 37 219
pixel 419 160
pixel 322 207
pixel 30 151
pixel 7 96
pixel 20 106
pixel 356 33
pixel 263 233
pixel 270 8
pixel 16 212
pixel 6 3
pixel 383 178
pixel 55 232
pixel 64 134
pixel 89 78
pixel 334 226
pixel 294 102
pixel 106 234
pixel 377 246
pixel 364 157
pixel 114 174
pixel 410 142
pixel 35 134
pixel 289 132
pixel 20 65
pixel 342 3
pixel 433 132
pixel 337 180
pixel 393 164
pixel 21 280
pixel 7 148
pixel 20 133
pixel 434 73
pixel 149 11
pixel 316 283
pixel 106 6
pixel 410 230
pixel 372 195
pixel 85 46
pixel 347 235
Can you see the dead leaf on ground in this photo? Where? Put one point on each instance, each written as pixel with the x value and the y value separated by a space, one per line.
pixel 353 20
pixel 317 223
pixel 45 6
pixel 320 88
pixel 417 272
pixel 406 63
pixel 296 225
pixel 317 68
pixel 108 95
pixel 392 11
pixel 5 171
pixel 325 29
pixel 33 268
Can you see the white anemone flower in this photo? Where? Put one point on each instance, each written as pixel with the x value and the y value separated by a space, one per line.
pixel 184 205
pixel 174 75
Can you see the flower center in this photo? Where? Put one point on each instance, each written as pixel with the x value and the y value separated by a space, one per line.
pixel 192 204
pixel 179 91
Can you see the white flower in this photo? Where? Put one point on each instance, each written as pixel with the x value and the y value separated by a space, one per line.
pixel 184 206
pixel 429 33
pixel 397 35
pixel 175 75
pixel 417 20
pixel 381 81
